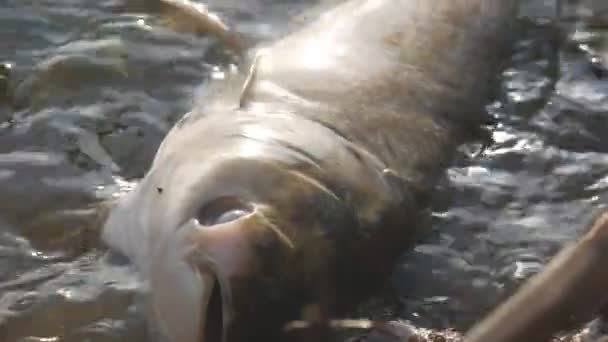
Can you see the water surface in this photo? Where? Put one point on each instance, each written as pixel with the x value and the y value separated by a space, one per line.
pixel 97 84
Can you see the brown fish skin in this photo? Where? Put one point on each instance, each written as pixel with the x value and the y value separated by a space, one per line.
pixel 295 188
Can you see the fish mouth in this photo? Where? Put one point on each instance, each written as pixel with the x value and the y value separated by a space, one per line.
pixel 221 255
pixel 213 313
pixel 215 308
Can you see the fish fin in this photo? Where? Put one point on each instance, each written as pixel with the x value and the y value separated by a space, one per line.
pixel 248 84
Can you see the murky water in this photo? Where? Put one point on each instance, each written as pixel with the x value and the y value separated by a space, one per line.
pixel 97 84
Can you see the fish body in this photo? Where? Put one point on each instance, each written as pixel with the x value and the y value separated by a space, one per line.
pixel 290 190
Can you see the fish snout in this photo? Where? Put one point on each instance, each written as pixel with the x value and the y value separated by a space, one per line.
pixel 228 241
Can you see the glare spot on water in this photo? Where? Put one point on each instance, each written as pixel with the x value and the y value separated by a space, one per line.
pixel 116 190
pixel 67 293
pixel 477 171
pixel 500 137
pixel 142 23
pixel 436 299
pixel 600 184
pixel 524 269
pixel 217 73
pixel 522 145
pixel 125 185
pixel 36 254
pixel 44 339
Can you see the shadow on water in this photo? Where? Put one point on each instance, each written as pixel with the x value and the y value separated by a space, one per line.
pixel 95 85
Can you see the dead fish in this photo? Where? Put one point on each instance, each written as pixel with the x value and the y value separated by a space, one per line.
pixel 291 188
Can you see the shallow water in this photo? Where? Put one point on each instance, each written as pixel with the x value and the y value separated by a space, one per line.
pixel 97 84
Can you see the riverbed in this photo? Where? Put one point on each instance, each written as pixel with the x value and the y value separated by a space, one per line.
pixel 95 85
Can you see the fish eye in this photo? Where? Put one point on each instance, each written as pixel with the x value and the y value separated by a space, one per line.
pixel 223 210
